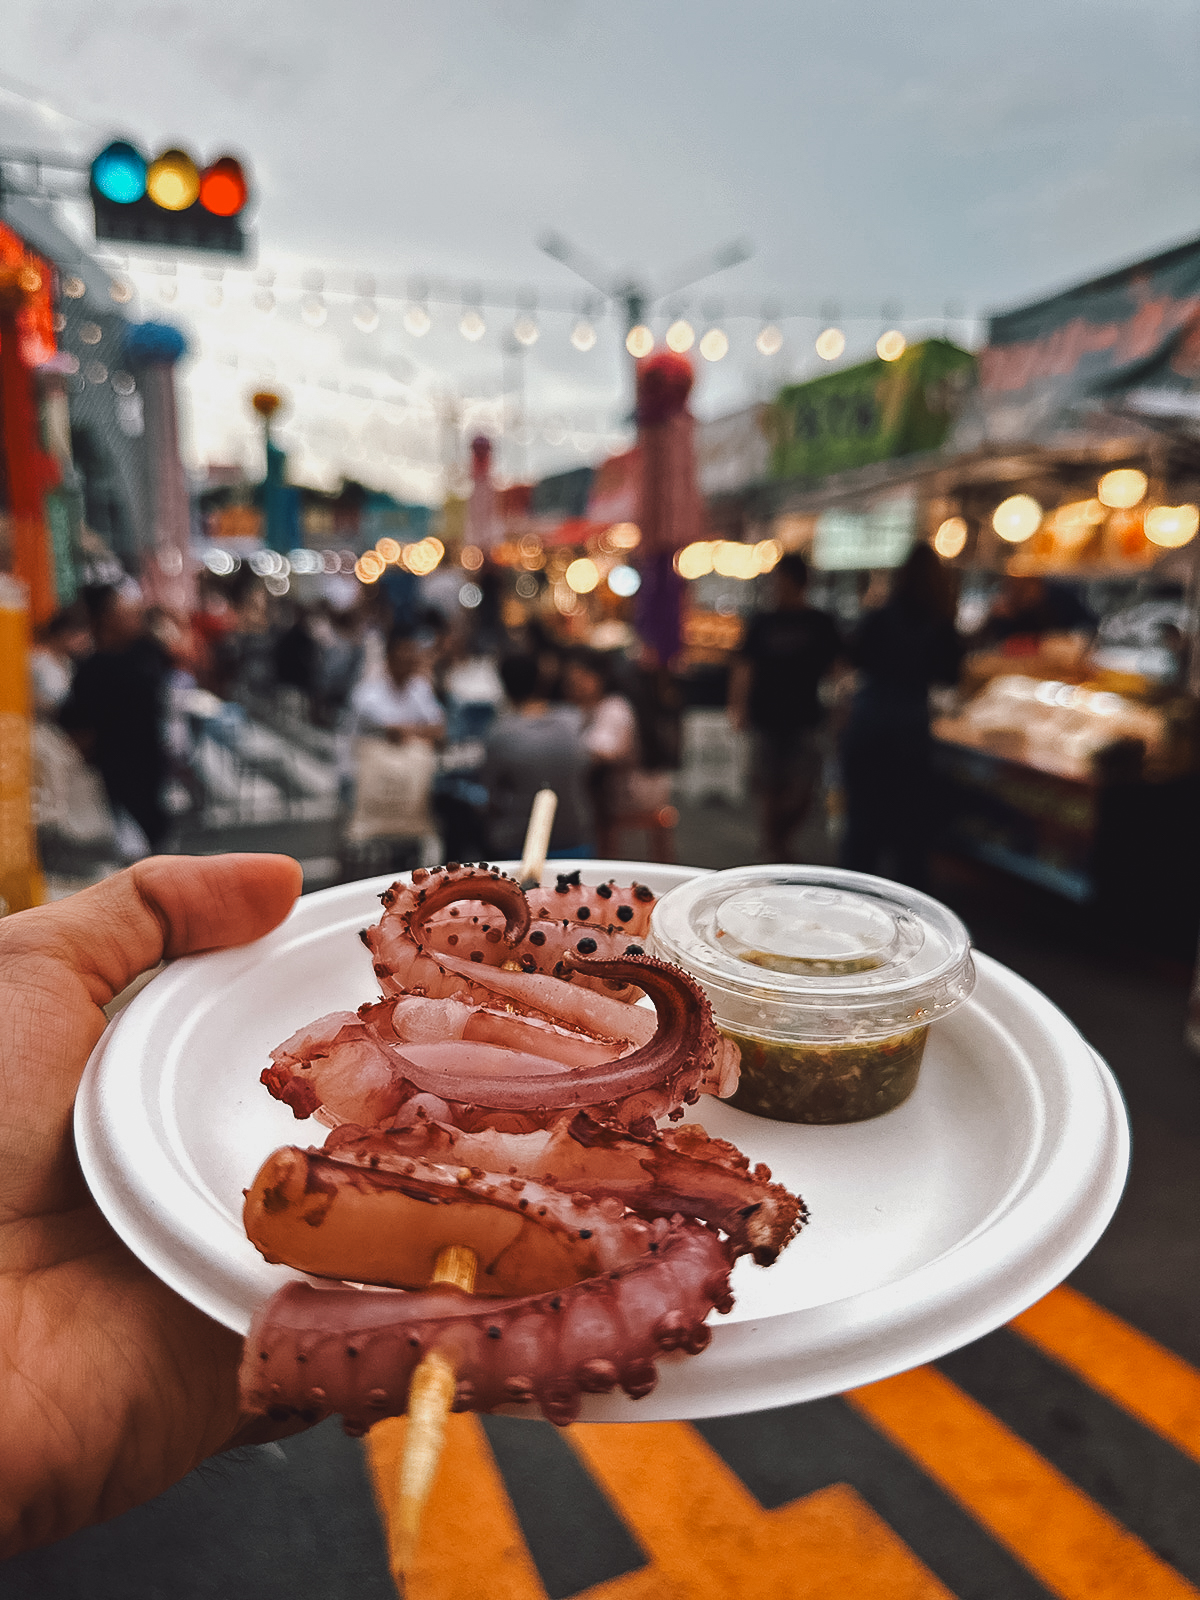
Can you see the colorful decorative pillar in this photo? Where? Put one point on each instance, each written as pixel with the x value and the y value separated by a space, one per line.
pixel 152 350
pixel 281 529
pixel 669 507
pixel 29 471
pixel 20 876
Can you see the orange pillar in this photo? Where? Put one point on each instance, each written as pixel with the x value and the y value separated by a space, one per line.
pixel 20 876
pixel 28 470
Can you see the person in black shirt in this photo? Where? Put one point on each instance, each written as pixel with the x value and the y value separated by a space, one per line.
pixel 774 694
pixel 116 708
pixel 900 650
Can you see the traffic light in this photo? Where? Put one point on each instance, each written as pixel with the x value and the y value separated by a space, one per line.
pixel 170 200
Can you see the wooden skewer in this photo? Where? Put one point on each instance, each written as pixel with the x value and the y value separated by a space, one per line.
pixel 431 1392
pixel 430 1396
pixel 537 838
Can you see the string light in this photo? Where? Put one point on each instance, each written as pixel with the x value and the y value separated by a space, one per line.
pixel 264 301
pixel 525 330
pixel 366 316
pixel 890 346
pixel 681 336
pixel 770 340
pixel 472 326
pixel 624 581
pixel 639 341
pixel 714 345
pixel 471 557
pixel 370 567
pixel 417 321
pixel 951 538
pixel 583 335
pixel 830 344
pixel 312 310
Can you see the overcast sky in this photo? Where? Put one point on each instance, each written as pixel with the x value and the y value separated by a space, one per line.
pixel 918 156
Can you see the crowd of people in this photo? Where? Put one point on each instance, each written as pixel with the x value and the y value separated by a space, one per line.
pixel 447 726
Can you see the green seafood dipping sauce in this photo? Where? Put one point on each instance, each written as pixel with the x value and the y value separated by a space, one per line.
pixel 827 980
pixel 794 1081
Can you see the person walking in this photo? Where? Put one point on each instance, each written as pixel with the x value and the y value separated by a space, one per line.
pixel 900 650
pixel 774 696
pixel 116 709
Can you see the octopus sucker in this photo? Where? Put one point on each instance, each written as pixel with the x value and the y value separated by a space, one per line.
pixel 552 1348
pixel 504 1095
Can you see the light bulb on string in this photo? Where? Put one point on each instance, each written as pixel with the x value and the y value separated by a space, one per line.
pixel 950 540
pixel 639 341
pixel 770 340
pixel 313 310
pixel 583 335
pixel 1017 518
pixel 714 345
pixel 525 330
pixel 366 316
pixel 890 346
pixel 417 321
pixel 472 326
pixel 830 344
pixel 680 336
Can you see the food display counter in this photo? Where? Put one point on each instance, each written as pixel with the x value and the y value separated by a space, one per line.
pixel 1088 793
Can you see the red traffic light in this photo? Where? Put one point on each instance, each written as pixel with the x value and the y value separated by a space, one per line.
pixel 223 188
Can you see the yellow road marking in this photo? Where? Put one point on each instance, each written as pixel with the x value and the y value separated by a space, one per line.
pixel 1075 1548
pixel 1151 1383
pixel 470 1542
pixel 709 1539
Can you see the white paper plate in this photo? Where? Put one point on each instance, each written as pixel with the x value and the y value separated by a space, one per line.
pixel 930 1226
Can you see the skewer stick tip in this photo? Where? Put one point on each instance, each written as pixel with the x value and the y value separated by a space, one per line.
pixel 537 838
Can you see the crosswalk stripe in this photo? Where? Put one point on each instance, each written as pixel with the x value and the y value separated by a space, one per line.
pixel 1151 1383
pixel 1074 1547
pixel 711 1540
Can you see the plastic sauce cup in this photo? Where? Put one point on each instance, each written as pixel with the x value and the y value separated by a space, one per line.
pixel 827 980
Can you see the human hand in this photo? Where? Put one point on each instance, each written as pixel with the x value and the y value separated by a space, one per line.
pixel 111 1386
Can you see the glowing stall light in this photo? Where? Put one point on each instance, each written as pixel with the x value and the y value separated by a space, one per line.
pixel 417 321
pixel 424 557
pixel 770 340
pixel 389 549
pixel 715 344
pixel 734 560
pixel 623 536
pixel 830 344
pixel 695 560
pixel 639 341
pixel 370 567
pixel 1123 488
pixel 1017 518
pixel 306 563
pixel 767 554
pixel 472 327
pixel 582 576
pixel 220 563
pixel 223 188
pixel 583 335
pixel 624 581
pixel 951 538
pixel 890 346
pixel 681 336
pixel 1169 527
pixel 525 331
pixel 471 558
pixel 119 173
pixel 172 181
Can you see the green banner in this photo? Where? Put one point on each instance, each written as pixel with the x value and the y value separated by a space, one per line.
pixel 869 413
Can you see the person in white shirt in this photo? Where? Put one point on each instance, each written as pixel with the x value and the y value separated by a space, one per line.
pixel 398 728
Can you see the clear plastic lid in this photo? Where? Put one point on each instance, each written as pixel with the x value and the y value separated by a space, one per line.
pixel 815 953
